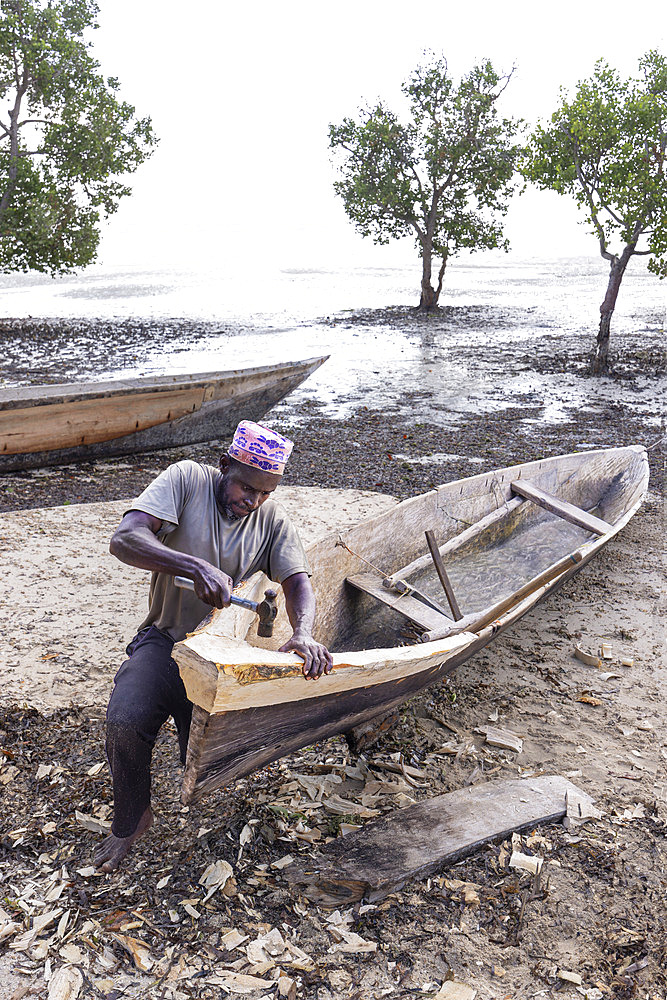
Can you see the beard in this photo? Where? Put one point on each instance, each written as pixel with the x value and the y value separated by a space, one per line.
pixel 229 514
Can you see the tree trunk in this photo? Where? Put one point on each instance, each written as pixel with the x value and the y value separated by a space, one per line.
pixel 429 298
pixel 616 272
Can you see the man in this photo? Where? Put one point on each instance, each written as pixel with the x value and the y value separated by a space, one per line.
pixel 217 527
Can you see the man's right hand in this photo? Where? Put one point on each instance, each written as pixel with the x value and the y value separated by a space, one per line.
pixel 212 586
pixel 135 542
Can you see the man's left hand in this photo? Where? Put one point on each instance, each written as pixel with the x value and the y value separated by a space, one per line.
pixel 316 657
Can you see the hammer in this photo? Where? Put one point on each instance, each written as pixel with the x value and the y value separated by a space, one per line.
pixel 266 609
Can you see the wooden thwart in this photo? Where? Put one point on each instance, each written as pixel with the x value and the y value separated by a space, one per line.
pixel 418 612
pixel 561 508
pixel 416 841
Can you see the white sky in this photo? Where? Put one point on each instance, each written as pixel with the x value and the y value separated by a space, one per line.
pixel 241 95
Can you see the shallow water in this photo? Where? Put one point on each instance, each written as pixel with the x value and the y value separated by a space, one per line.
pixel 482 354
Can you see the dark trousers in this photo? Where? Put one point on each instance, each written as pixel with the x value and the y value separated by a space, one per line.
pixel 147 690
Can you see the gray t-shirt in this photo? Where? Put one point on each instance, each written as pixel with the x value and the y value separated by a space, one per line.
pixel 183 497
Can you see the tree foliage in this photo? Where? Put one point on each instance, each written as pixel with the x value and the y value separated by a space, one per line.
pixel 66 138
pixel 607 147
pixel 444 176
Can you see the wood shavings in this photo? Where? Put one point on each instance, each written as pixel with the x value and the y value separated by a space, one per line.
pixel 240 983
pixel 589 699
pixel 466 891
pixel 399 767
pixel 65 984
pixel 215 877
pixel 346 807
pixel 286 988
pixel 452 990
pixel 138 951
pixel 570 977
pixel 590 659
pixel 92 823
pixel 526 862
pixel 352 943
pixel 506 739
pixel 8 774
pixel 39 924
pixel 282 862
pixel 317 786
pixel 233 939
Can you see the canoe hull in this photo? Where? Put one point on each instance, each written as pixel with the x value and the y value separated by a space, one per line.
pixel 252 706
pixel 78 423
pixel 229 745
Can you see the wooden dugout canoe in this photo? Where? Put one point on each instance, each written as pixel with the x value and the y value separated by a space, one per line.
pixel 56 424
pixel 507 539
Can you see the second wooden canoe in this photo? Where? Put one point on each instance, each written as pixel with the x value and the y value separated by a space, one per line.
pixel 57 424
pixel 507 539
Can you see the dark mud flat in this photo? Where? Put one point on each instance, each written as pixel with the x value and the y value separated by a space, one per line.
pixel 397 431
pixel 47 351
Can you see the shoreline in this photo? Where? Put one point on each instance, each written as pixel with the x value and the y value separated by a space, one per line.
pixel 401 425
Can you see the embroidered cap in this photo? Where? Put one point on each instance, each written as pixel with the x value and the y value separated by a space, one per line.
pixel 258 446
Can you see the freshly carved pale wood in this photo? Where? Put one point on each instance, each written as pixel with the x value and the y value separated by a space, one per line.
pixel 413 842
pixel 258 706
pixel 46 425
pixel 561 508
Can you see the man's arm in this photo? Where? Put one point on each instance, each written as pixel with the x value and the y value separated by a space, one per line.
pixel 135 542
pixel 300 605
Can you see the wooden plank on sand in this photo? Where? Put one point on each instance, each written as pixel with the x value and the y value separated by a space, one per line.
pixel 561 508
pixel 413 842
pixel 418 612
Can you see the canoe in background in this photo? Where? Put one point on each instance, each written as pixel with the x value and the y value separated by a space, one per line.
pixel 507 538
pixel 57 424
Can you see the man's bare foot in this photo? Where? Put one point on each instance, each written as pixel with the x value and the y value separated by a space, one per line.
pixel 113 849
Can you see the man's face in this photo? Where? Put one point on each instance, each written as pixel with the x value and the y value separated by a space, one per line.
pixel 242 488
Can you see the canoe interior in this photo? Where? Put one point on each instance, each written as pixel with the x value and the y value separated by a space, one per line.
pixel 252 712
pixel 493 565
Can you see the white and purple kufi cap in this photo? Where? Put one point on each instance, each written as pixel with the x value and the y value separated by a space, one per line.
pixel 260 447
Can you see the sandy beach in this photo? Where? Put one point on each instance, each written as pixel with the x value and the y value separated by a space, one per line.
pixel 68 610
